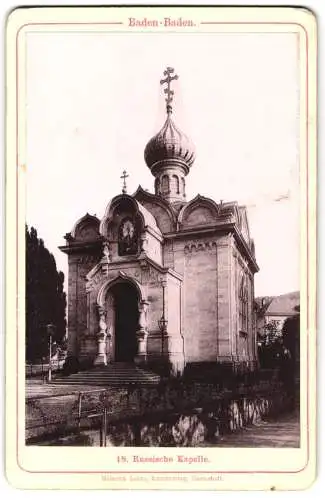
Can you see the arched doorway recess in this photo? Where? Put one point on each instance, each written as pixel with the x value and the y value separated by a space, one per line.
pixel 126 321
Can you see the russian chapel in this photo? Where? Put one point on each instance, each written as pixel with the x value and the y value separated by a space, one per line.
pixel 159 280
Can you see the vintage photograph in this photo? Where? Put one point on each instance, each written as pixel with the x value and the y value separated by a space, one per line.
pixel 162 239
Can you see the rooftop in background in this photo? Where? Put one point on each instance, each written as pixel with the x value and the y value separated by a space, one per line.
pixel 281 305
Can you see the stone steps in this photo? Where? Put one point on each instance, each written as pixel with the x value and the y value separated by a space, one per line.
pixel 115 374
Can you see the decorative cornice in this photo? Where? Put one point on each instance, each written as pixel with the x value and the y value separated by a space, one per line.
pixel 248 253
pixel 79 247
pixel 142 262
pixel 200 230
pixel 198 246
pixel 169 163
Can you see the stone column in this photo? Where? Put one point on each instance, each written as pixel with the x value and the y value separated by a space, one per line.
pixel 106 257
pixel 108 347
pixel 144 244
pixel 142 332
pixel 101 358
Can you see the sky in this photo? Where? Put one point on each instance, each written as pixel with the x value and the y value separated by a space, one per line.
pixel 94 100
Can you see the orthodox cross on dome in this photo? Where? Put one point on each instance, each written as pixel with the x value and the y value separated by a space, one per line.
pixel 124 177
pixel 169 93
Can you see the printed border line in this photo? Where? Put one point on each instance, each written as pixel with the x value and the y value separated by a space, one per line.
pixel 307 256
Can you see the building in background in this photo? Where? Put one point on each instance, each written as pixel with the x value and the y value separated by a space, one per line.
pixel 159 280
pixel 276 310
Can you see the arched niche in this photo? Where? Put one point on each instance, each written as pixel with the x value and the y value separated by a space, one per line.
pixel 86 228
pixel 199 211
pixel 125 206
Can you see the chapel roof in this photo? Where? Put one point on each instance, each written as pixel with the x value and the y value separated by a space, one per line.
pixel 170 143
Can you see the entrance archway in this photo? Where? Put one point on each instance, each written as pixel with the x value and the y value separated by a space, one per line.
pixel 126 321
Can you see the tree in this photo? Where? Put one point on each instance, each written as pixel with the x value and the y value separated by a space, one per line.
pixel 45 298
pixel 291 335
pixel 270 346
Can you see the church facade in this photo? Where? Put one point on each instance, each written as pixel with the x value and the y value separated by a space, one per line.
pixel 159 280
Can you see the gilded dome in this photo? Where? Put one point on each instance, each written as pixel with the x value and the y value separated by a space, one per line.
pixel 169 144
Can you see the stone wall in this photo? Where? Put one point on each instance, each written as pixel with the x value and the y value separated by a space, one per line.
pixel 79 265
pixel 152 417
pixel 200 301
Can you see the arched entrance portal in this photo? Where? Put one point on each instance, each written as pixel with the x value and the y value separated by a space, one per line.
pixel 126 321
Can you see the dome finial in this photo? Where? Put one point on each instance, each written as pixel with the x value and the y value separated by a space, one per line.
pixel 124 177
pixel 169 93
pixel 170 153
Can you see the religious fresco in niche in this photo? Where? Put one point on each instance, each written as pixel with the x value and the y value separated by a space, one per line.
pixel 128 240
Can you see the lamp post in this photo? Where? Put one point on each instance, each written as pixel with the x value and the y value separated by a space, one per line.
pixel 162 322
pixel 50 330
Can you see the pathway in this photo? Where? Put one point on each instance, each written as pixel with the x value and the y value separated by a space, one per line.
pixel 281 433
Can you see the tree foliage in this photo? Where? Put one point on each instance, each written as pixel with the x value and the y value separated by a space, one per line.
pixel 45 298
pixel 270 347
pixel 275 343
pixel 291 335
pixel 272 332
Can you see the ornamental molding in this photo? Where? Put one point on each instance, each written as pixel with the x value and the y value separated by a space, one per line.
pixel 151 275
pixel 88 259
pixel 93 282
pixel 199 246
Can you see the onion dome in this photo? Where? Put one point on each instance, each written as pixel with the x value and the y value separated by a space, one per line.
pixel 170 153
pixel 169 144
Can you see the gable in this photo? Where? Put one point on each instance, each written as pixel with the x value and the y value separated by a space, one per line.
pixel 86 229
pixel 199 216
pixel 243 224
